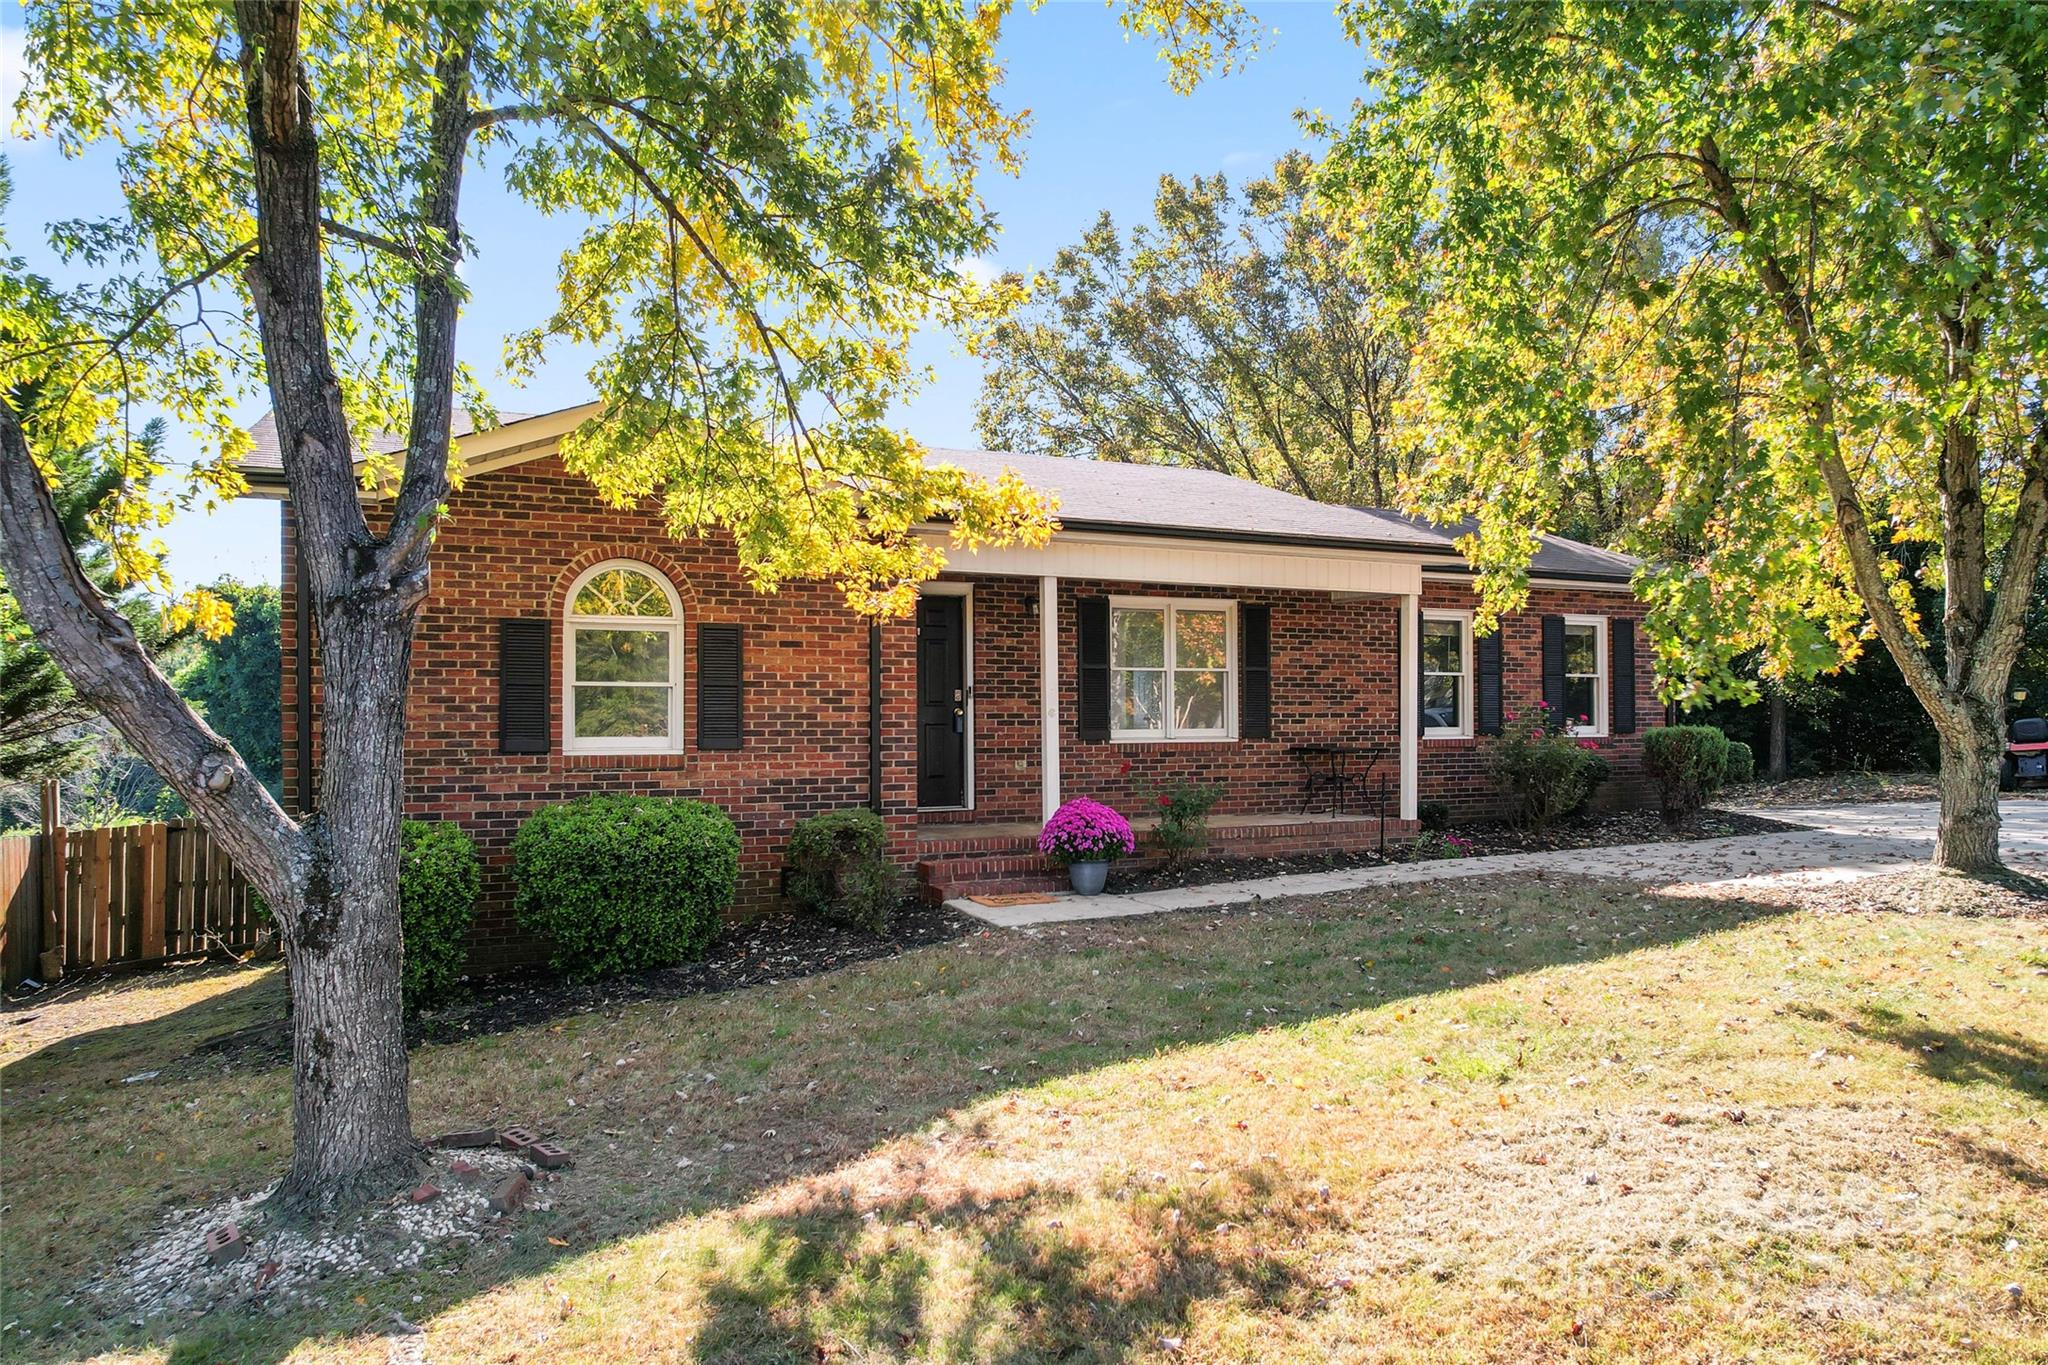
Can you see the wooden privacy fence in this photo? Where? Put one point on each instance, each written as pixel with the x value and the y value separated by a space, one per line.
pixel 79 898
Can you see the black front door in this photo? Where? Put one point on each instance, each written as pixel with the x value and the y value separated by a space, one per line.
pixel 941 704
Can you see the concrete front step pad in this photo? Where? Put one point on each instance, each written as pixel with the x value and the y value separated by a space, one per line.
pixel 941 842
pixel 948 876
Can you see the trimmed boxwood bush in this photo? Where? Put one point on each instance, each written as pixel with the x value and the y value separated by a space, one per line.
pixel 1688 763
pixel 839 868
pixel 438 877
pixel 618 883
pixel 1741 763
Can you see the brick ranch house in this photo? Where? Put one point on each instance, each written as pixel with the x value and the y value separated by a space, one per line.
pixel 1179 624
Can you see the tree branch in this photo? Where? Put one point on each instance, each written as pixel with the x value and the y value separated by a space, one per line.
pixel 424 486
pixel 2005 630
pixel 97 649
pixel 1851 523
pixel 375 241
pixel 286 284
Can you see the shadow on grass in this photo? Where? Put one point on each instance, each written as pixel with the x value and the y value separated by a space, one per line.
pixel 1975 1057
pixel 154 1042
pixel 1031 1292
pixel 1141 987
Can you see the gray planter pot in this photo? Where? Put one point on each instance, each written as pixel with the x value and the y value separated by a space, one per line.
pixel 1088 878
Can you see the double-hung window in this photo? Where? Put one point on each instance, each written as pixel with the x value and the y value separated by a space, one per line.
pixel 1172 669
pixel 623 642
pixel 1585 674
pixel 1446 675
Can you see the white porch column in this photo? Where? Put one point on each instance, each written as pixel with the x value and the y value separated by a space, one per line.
pixel 1410 692
pixel 1048 696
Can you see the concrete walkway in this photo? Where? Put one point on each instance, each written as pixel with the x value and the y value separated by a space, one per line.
pixel 1843 842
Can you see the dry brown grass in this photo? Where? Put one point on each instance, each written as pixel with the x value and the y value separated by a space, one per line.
pixel 1501 1119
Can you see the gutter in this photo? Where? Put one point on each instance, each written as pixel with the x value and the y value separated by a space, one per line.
pixel 1556 575
pixel 1124 528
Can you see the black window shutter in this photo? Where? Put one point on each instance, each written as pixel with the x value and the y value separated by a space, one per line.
pixel 1255 671
pixel 1621 639
pixel 524 666
pixel 1092 654
pixel 1553 665
pixel 1421 668
pixel 1486 682
pixel 719 687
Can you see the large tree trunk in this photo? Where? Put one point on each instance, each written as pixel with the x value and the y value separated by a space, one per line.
pixel 352 1131
pixel 1778 758
pixel 1968 838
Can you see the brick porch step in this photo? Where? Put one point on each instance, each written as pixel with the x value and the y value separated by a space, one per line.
pixel 957 861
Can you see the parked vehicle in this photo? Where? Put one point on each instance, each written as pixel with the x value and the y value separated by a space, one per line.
pixel 2026 753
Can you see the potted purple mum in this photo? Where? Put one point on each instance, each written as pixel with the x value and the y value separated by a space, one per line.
pixel 1086 836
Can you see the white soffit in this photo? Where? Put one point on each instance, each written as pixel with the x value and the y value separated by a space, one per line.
pixel 1149 559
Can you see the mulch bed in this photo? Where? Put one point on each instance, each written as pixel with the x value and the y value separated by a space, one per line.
pixel 758 952
pixel 1482 839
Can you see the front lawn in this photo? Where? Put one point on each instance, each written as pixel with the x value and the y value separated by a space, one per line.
pixel 1503 1118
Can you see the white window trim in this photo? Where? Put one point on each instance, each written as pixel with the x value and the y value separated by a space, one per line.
pixel 1462 730
pixel 1601 665
pixel 672 743
pixel 1167 734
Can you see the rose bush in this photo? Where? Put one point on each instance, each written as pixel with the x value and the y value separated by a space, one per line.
pixel 1546 772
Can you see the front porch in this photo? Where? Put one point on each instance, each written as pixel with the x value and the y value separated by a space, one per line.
pixel 996 857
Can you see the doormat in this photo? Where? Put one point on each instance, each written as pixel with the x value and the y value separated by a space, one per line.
pixel 1015 898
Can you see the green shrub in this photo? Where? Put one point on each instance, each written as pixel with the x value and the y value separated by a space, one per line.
pixel 1741 763
pixel 620 883
pixel 1546 772
pixel 1593 772
pixel 438 876
pixel 839 868
pixel 1184 817
pixel 1433 816
pixel 1436 844
pixel 1688 763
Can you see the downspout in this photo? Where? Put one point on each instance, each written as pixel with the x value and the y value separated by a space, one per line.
pixel 875 717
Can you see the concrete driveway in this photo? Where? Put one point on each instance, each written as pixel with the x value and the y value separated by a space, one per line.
pixel 1908 826
pixel 1843 842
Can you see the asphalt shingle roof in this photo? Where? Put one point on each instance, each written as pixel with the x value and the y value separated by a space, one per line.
pixel 1556 557
pixel 266 458
pixel 1165 500
pixel 1170 499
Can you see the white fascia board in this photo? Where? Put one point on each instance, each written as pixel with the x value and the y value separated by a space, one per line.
pixel 1586 584
pixel 1190 563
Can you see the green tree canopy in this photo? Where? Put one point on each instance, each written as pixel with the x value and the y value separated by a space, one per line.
pixel 1229 334
pixel 236 679
pixel 1787 255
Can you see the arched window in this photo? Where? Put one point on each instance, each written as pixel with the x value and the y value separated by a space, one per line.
pixel 623 665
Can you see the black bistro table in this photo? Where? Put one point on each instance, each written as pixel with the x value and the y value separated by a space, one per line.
pixel 1335 771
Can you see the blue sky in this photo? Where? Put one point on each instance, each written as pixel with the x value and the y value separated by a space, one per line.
pixel 1104 128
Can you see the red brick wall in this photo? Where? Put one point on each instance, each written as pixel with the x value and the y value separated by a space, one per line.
pixel 515 541
pixel 518 537
pixel 1334 680
pixel 1455 770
